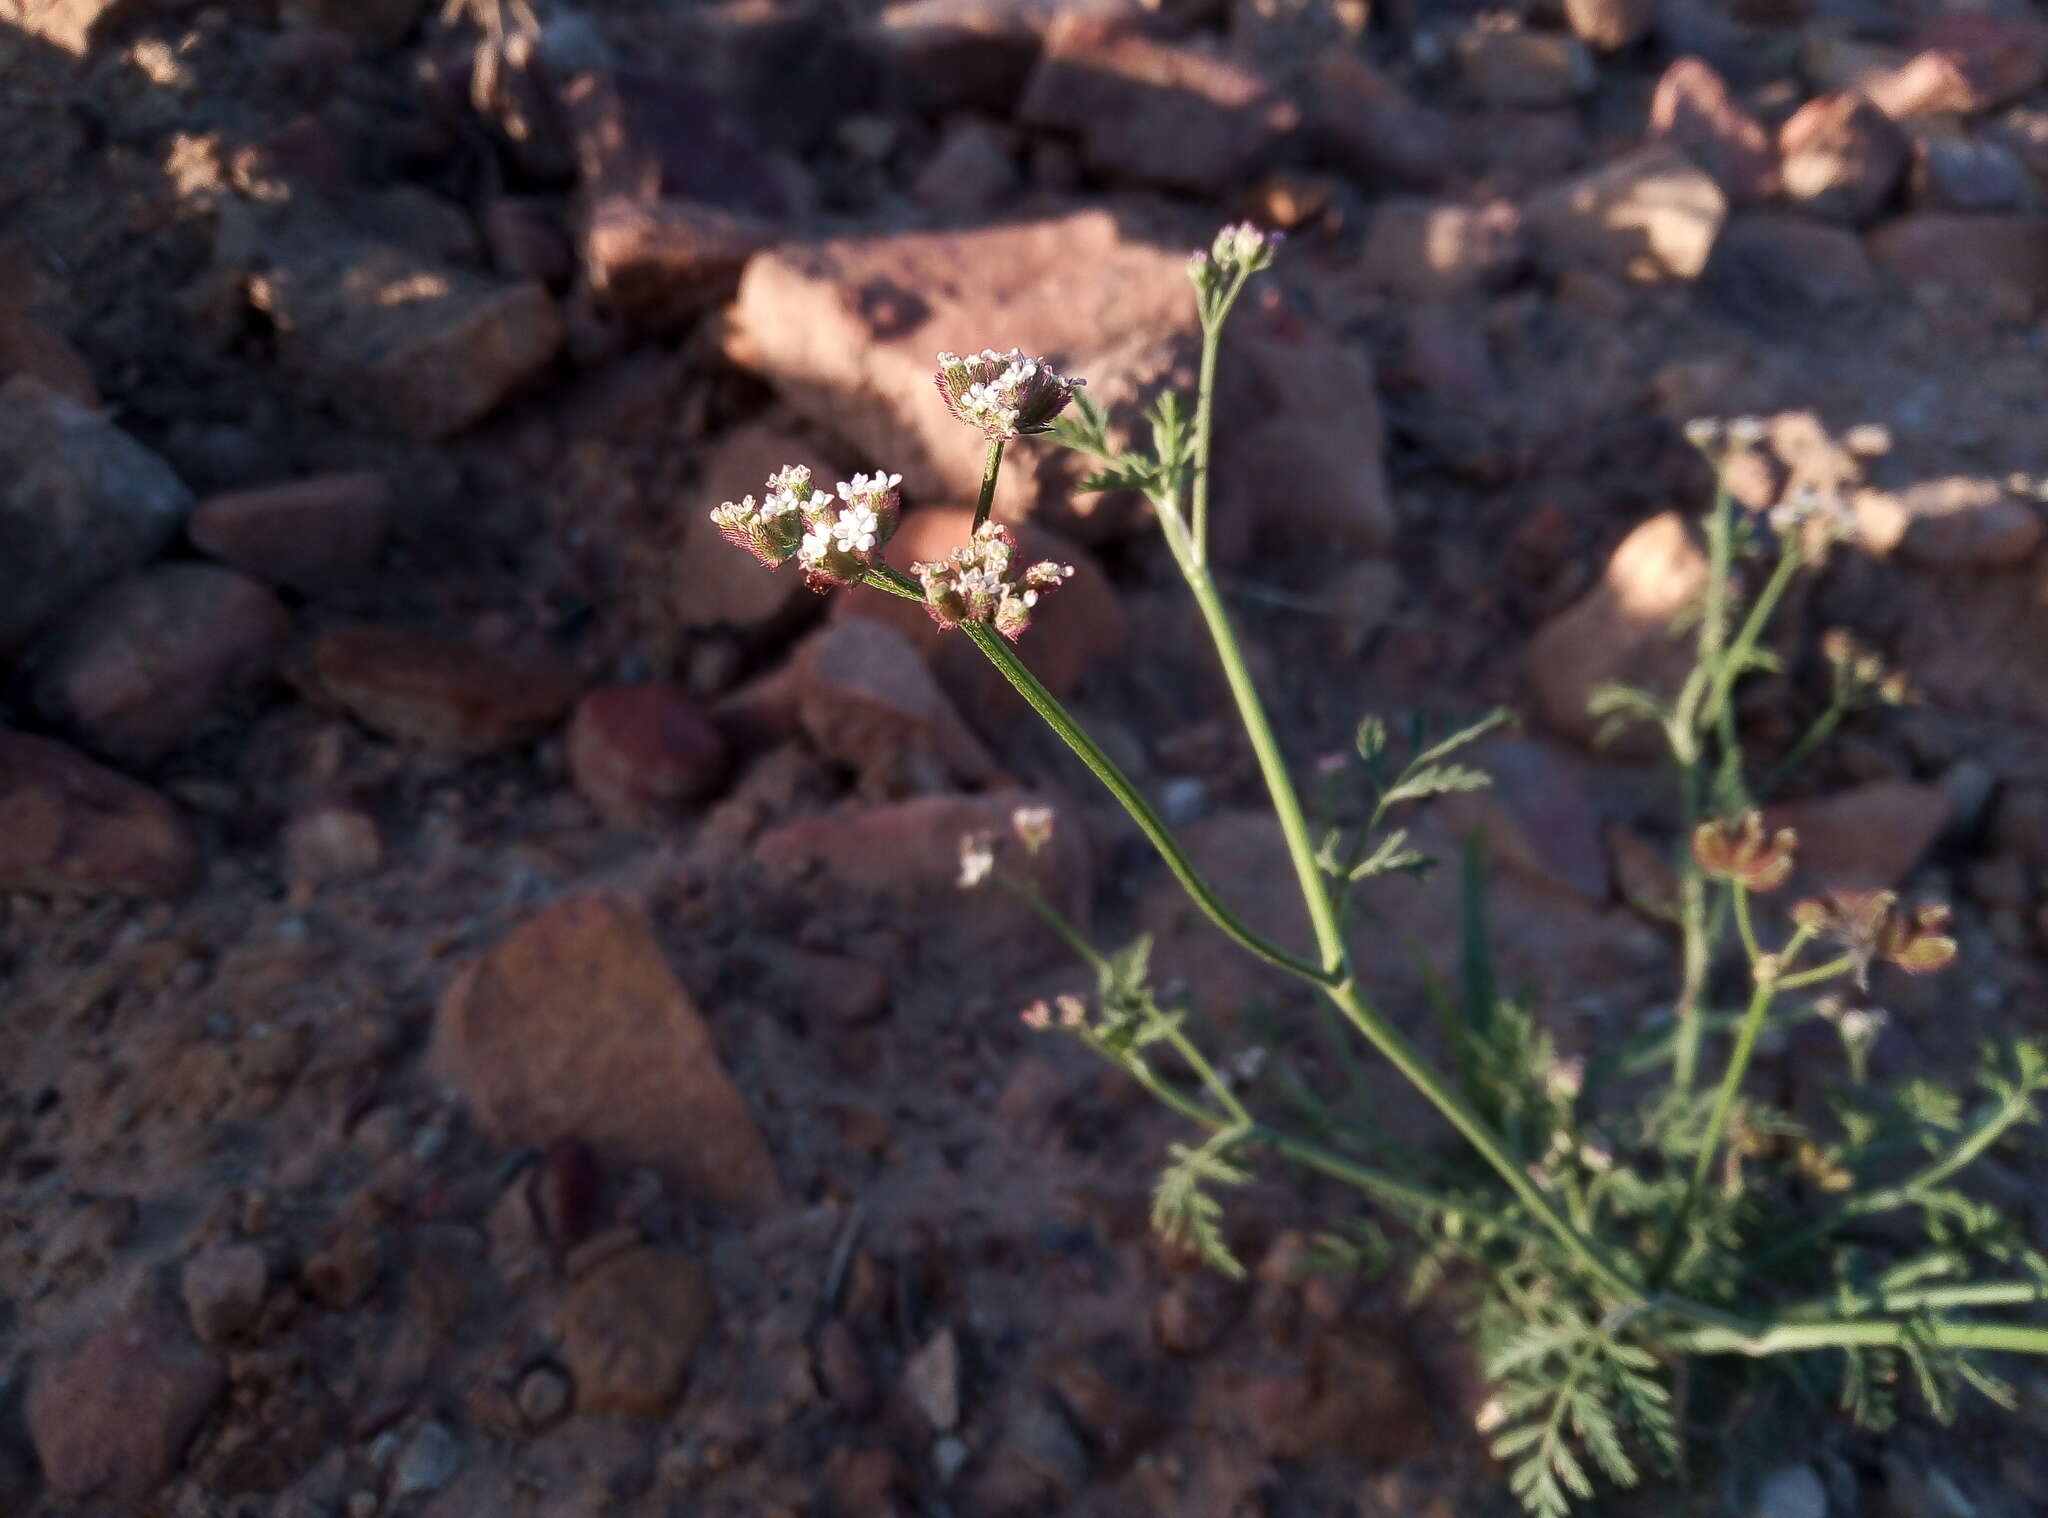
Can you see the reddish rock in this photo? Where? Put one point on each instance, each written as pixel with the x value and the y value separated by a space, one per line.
pixel 112 1416
pixel 441 693
pixel 868 702
pixel 80 502
pixel 635 751
pixel 1610 24
pixel 1368 126
pixel 1081 629
pixel 1620 631
pixel 393 340
pixel 1957 520
pixel 1537 817
pixel 903 857
pixel 67 24
pixel 1840 157
pixel 971 172
pixel 1695 111
pixel 142 665
pixel 630 1329
pixel 40 351
pixel 309 534
pixel 1433 249
pixel 70 826
pixel 1868 838
pixel 1651 215
pixel 2000 258
pixel 660 264
pixel 1153 112
pixel 833 988
pixel 1971 63
pixel 576 1026
pixel 652 136
pixel 946 54
pixel 1517 69
pixel 715 584
pixel 848 331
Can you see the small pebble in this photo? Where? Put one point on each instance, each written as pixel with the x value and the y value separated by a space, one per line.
pixel 543 1395
pixel 428 1462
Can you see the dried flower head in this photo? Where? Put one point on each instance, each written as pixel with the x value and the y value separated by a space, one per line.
pixel 773 530
pixel 1740 851
pixel 1871 925
pixel 977 859
pixel 983 583
pixel 1006 395
pixel 839 547
pixel 1033 827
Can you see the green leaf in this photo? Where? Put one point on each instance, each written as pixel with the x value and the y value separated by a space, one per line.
pixel 1393 856
pixel 1184 1213
pixel 1372 738
pixel 1440 780
pixel 1465 736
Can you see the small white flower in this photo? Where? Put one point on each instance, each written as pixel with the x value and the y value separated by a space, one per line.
pixel 1033 827
pixel 977 859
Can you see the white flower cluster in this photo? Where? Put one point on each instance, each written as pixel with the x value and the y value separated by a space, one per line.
pixel 796 520
pixel 1003 395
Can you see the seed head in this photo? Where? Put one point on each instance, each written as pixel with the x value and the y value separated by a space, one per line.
pixel 1740 851
pixel 983 583
pixel 1005 395
pixel 1871 925
pixel 773 530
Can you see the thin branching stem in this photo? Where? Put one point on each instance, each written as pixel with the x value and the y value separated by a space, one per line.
pixel 991 466
pixel 1000 654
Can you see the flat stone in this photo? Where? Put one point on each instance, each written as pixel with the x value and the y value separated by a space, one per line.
pixel 69 826
pixel 575 1026
pixel 111 1417
pixel 1620 631
pixel 395 341
pixel 868 701
pixel 80 502
pixel 630 1329
pixel 1436 249
pixel 1518 69
pixel 309 534
pixel 1153 112
pixel 1868 838
pixel 145 663
pixel 1696 112
pixel 442 693
pixel 660 264
pixel 638 751
pixel 1651 215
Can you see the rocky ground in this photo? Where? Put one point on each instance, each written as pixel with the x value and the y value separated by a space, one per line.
pixel 491 1027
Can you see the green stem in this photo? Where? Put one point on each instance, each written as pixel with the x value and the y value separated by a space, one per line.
pixel 1205 399
pixel 1740 894
pixel 1000 654
pixel 1760 613
pixel 1819 973
pixel 1924 1299
pixel 1823 729
pixel 1790 1338
pixel 1724 1099
pixel 991 466
pixel 1315 893
pixel 1987 1133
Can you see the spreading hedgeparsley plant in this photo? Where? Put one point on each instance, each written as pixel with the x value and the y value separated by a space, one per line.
pixel 1649 1253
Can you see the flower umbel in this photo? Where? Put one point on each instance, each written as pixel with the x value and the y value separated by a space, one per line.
pixel 840 547
pixel 773 530
pixel 977 859
pixel 983 583
pixel 1005 395
pixel 1740 851
pixel 1871 925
